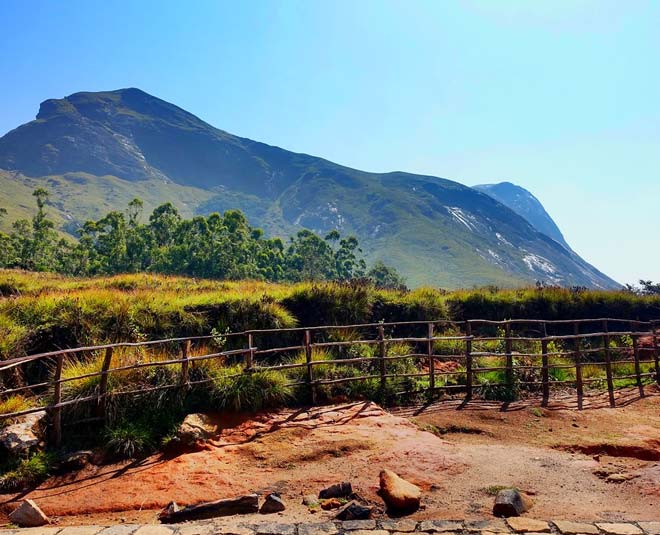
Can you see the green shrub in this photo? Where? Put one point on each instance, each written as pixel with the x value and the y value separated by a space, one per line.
pixel 26 473
pixel 251 391
pixel 130 439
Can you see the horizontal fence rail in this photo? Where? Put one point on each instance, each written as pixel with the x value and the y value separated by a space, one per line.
pixel 474 358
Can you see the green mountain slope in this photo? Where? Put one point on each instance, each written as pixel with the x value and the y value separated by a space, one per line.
pixel 95 151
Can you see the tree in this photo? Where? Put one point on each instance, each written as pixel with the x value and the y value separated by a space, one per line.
pixel 384 276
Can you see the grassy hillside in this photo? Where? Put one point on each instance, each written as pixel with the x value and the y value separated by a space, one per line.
pixel 41 312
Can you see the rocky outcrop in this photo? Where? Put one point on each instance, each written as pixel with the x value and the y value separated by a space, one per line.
pixel 399 495
pixel 24 436
pixel 194 429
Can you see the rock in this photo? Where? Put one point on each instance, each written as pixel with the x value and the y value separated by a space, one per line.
pixel 28 515
pixel 272 528
pixel 620 478
pixel 23 436
pixel 75 460
pixel 511 502
pixel 310 500
pixel 354 511
pixel 354 525
pixel 528 525
pixel 195 428
pixel 619 528
pixel 440 526
pixel 339 490
pixel 332 503
pixel 273 504
pixel 566 527
pixel 403 525
pixel 398 494
pixel 233 506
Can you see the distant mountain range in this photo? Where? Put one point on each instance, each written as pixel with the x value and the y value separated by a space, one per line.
pixel 94 152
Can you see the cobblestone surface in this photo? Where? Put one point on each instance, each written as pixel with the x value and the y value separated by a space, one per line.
pixel 522 525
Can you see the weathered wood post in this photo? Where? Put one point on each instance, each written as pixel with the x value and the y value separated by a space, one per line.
pixel 608 363
pixel 185 363
pixel 577 358
pixel 638 368
pixel 656 351
pixel 431 359
pixel 381 356
pixel 101 401
pixel 468 360
pixel 545 365
pixel 310 368
pixel 249 356
pixel 57 399
pixel 508 342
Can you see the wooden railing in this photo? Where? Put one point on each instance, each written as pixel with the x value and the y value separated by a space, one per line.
pixel 528 355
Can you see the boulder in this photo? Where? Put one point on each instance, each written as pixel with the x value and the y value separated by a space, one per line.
pixel 511 502
pixel 399 495
pixel 233 506
pixel 338 490
pixel 23 436
pixel 354 511
pixel 272 504
pixel 28 515
pixel 194 429
pixel 75 461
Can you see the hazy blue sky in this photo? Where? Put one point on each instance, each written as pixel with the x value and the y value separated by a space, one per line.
pixel 561 97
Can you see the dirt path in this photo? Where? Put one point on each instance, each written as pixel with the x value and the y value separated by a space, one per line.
pixel 548 452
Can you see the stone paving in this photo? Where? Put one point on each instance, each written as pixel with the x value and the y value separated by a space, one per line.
pixel 520 525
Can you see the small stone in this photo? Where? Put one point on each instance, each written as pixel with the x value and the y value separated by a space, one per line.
pixel 619 528
pixel 339 490
pixel 525 525
pixel 370 532
pixel 440 526
pixel 510 502
pixel 310 500
pixel 575 528
pixel 28 515
pixel 272 504
pixel 124 529
pixel 195 428
pixel 403 525
pixel 352 525
pixel 620 478
pixel 75 460
pixel 398 494
pixel 353 511
pixel 272 528
pixel 652 528
pixel 325 528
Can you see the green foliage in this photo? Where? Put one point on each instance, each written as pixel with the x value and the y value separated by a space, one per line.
pixel 130 439
pixel 22 474
pixel 240 391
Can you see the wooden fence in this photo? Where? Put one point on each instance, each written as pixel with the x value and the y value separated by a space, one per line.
pixel 528 356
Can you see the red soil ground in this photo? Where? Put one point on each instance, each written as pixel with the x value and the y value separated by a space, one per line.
pixel 558 454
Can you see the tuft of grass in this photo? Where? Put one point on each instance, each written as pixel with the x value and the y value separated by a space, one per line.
pixel 27 473
pixel 251 391
pixel 130 439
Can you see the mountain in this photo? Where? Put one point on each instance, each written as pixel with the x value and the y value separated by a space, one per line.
pixel 526 205
pixel 95 151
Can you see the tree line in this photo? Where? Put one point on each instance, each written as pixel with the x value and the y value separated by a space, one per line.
pixel 214 246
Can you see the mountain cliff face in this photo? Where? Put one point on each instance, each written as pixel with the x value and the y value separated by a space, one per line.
pixel 93 150
pixel 526 205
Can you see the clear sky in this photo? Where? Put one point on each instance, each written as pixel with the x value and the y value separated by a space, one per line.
pixel 559 96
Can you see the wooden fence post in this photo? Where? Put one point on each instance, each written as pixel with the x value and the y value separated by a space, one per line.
pixel 101 401
pixel 429 352
pixel 656 352
pixel 577 357
pixel 608 363
pixel 468 360
pixel 249 359
pixel 638 370
pixel 57 399
pixel 382 354
pixel 185 363
pixel 310 368
pixel 509 358
pixel 545 363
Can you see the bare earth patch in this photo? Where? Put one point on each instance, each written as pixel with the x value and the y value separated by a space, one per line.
pixel 458 455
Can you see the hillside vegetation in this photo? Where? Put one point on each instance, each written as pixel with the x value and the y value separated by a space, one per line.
pixel 41 312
